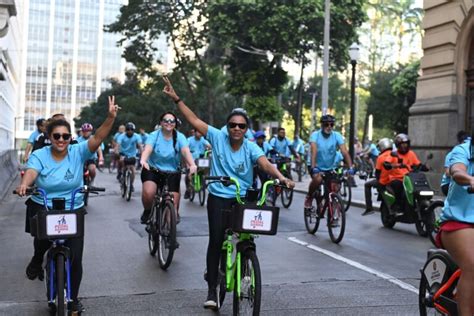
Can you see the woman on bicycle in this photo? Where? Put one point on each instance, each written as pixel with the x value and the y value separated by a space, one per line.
pixel 163 150
pixel 457 223
pixel 58 170
pixel 232 156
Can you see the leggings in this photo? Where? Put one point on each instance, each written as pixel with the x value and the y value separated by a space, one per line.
pixel 217 227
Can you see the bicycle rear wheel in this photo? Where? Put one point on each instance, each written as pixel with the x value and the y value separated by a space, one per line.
pixel 336 219
pixel 128 181
pixel 247 302
pixel 152 229
pixel 167 235
pixel 346 194
pixel 311 218
pixel 192 192
pixel 61 305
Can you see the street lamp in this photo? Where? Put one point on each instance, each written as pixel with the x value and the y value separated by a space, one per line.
pixel 354 55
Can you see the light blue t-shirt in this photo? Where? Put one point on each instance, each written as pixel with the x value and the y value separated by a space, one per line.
pixel 33 137
pixel 116 136
pixel 144 136
pixel 266 148
pixel 298 146
pixel 459 205
pixel 164 156
pixel 197 147
pixel 281 146
pixel 248 133
pixel 226 162
pixel 374 152
pixel 60 178
pixel 327 148
pixel 128 145
pixel 445 179
pixel 338 160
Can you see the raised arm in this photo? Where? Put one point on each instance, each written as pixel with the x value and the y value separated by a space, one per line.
pixel 104 129
pixel 189 115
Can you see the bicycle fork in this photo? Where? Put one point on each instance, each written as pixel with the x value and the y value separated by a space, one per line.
pixel 52 276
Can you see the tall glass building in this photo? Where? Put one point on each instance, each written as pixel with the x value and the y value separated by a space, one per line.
pixel 68 57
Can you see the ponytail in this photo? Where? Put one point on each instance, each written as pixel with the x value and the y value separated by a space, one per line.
pixel 175 139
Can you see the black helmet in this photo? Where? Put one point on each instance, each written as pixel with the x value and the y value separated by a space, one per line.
pixel 328 118
pixel 401 138
pixel 130 126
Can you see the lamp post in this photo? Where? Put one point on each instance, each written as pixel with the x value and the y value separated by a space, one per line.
pixel 354 55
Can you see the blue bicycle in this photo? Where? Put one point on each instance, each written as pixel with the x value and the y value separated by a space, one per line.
pixel 58 225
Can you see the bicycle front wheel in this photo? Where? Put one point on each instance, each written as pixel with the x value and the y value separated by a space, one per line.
pixel 152 229
pixel 221 281
pixel 61 306
pixel 311 218
pixel 247 301
pixel 202 192
pixel 346 194
pixel 433 219
pixel 336 219
pixel 167 235
pixel 128 181
pixel 286 197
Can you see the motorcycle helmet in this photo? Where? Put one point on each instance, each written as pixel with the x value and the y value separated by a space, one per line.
pixel 87 127
pixel 399 140
pixel 385 144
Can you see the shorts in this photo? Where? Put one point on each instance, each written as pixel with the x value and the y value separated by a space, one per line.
pixel 450 226
pixel 130 161
pixel 174 181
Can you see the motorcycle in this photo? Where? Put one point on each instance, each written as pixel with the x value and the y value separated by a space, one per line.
pixel 414 207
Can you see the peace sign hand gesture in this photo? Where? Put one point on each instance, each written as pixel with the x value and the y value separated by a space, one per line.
pixel 113 108
pixel 168 89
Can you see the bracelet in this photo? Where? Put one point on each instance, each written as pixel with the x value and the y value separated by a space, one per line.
pixel 177 101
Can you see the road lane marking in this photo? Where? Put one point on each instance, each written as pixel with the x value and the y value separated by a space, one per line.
pixel 356 264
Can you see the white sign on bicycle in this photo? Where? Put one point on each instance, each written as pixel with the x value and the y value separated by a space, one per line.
pixel 61 224
pixel 257 220
pixel 203 163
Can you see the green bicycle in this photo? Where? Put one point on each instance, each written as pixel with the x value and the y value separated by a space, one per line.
pixel 246 219
pixel 198 183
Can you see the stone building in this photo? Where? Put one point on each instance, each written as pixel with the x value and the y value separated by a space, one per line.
pixel 445 89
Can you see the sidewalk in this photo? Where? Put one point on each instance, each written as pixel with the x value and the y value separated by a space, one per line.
pixel 358 197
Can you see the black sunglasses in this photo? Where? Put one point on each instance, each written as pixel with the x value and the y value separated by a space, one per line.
pixel 129 129
pixel 169 121
pixel 65 136
pixel 328 124
pixel 234 125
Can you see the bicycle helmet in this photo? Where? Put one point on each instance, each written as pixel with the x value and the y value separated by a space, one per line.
pixel 130 126
pixel 259 134
pixel 241 112
pixel 87 127
pixel 385 144
pixel 327 118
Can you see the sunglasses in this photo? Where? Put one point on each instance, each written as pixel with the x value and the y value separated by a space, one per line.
pixel 65 136
pixel 328 124
pixel 129 129
pixel 234 125
pixel 169 121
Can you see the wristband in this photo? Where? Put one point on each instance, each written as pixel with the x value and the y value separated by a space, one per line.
pixel 177 101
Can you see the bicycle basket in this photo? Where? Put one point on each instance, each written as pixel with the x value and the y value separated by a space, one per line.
pixel 57 224
pixel 203 163
pixel 261 220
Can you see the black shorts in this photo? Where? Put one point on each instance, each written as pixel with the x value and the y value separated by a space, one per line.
pixel 173 181
pixel 130 161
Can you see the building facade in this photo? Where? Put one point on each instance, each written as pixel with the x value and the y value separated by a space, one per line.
pixel 445 89
pixel 68 57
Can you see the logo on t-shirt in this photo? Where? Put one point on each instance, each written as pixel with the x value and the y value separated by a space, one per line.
pixel 69 176
pixel 240 168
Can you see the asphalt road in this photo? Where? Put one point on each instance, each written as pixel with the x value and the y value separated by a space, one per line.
pixel 373 271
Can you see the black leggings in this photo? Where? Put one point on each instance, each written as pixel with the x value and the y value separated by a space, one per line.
pixel 76 245
pixel 217 227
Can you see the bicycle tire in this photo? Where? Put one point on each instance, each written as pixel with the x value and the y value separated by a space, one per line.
pixel 128 180
pixel 271 196
pixel 61 306
pixel 123 186
pixel 336 218
pixel 152 231
pixel 250 285
pixel 221 281
pixel 167 235
pixel 286 197
pixel 192 192
pixel 311 217
pixel 423 298
pixel 86 194
pixel 202 193
pixel 432 224
pixel 346 194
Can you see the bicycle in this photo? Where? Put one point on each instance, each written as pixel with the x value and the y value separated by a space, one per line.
pixel 112 161
pixel 58 225
pixel 345 191
pixel 126 184
pixel 331 203
pixel 363 166
pixel 239 268
pixel 161 225
pixel 282 163
pixel 199 185
pixel 435 208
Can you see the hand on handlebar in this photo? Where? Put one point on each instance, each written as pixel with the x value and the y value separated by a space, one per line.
pixel 21 189
pixel 288 183
pixel 192 170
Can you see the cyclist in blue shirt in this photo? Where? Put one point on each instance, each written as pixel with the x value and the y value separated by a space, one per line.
pixel 234 156
pixel 129 143
pixel 456 233
pixel 372 153
pixel 40 128
pixel 248 134
pixel 282 145
pixel 163 151
pixel 462 137
pixel 198 146
pixel 86 133
pixel 58 170
pixel 267 150
pixel 144 135
pixel 324 146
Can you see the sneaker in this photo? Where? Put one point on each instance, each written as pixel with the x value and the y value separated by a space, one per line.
pixel 308 201
pixel 186 195
pixel 145 216
pixel 211 302
pixel 367 212
pixel 75 306
pixel 34 270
